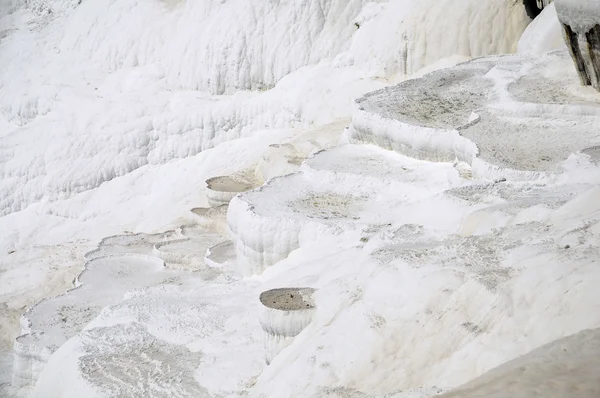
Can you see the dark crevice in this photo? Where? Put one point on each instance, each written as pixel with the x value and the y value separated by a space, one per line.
pixel 532 8
pixel 573 44
pixel 593 42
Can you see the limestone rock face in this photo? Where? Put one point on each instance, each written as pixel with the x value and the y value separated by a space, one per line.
pixel 581 30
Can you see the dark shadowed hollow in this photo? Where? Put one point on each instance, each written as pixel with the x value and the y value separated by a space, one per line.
pixel 533 8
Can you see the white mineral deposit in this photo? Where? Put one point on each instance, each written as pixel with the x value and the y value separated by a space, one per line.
pixel 302 198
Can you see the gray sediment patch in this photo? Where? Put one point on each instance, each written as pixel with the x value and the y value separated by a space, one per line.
pixel 506 141
pixel 227 184
pixel 288 299
pixel 220 254
pixel 286 313
pixel 443 100
pixel 220 190
pixel 594 153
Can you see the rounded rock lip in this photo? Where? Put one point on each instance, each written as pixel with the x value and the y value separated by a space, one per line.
pixel 594 153
pixel 227 184
pixel 288 298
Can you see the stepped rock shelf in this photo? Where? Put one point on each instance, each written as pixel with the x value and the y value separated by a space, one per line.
pixel 486 114
pixel 220 190
pixel 374 218
pixel 481 112
pixel 332 192
pixel 286 312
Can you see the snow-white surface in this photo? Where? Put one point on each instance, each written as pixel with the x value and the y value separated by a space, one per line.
pixel 68 229
pixel 425 277
pixel 319 199
pixel 497 290
pixel 143 113
pixel 359 310
pixel 543 34
pixel 580 15
pixel 285 158
pixel 400 37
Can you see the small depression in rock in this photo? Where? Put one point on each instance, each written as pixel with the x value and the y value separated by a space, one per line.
pixel 593 153
pixel 288 299
pixel 227 184
pixel 444 100
pixel 210 213
pixel 535 7
pixel 221 253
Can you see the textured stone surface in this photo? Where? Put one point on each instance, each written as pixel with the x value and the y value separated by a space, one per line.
pixel 287 311
pixel 581 31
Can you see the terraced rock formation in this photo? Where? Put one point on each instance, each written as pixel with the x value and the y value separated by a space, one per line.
pixel 286 312
pixel 485 113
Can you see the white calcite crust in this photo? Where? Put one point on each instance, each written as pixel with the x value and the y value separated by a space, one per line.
pixel 543 34
pixel 331 194
pixel 111 85
pixel 220 190
pixel 580 15
pixel 114 113
pixel 120 264
pixel 285 313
